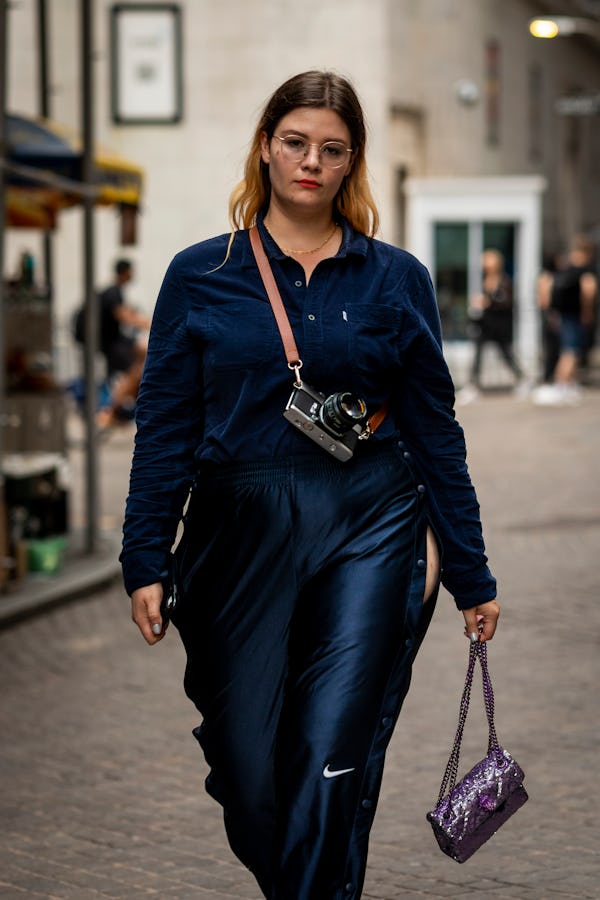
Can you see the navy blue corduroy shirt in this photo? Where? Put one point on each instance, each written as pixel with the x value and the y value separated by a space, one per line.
pixel 216 383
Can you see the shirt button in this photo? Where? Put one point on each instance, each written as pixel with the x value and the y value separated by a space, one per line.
pixel 311 317
pixel 366 804
pixel 421 563
pixel 349 887
pixel 406 454
pixel 401 444
pixel 298 283
pixel 421 489
pixel 386 721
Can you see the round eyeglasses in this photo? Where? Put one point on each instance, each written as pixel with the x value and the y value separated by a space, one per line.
pixel 332 154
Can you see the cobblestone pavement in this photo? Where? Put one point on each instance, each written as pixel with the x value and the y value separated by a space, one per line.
pixel 101 781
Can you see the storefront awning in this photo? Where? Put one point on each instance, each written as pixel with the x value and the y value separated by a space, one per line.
pixel 43 166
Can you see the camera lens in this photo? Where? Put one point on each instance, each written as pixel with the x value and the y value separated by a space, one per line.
pixel 343 410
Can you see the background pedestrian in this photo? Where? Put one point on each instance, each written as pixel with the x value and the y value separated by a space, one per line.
pixel 121 343
pixel 492 321
pixel 572 294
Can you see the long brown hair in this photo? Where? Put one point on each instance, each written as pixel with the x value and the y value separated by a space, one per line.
pixel 319 90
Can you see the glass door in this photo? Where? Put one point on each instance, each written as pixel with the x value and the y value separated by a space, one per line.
pixel 457 267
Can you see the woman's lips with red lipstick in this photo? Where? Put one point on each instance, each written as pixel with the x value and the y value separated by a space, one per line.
pixel 306 182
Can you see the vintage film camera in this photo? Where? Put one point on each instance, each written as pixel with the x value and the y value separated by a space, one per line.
pixel 335 422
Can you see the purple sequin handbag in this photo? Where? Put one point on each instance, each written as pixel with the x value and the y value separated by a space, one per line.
pixel 467 814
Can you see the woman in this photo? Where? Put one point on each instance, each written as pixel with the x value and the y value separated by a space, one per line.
pixel 492 312
pixel 306 583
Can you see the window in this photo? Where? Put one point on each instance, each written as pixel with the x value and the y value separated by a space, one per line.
pixel 451 277
pixel 458 248
pixel 146 79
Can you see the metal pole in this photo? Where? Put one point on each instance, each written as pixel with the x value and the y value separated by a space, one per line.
pixel 3 94
pixel 44 107
pixel 91 315
pixel 43 92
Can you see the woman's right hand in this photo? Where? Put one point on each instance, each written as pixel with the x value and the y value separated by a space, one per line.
pixel 145 612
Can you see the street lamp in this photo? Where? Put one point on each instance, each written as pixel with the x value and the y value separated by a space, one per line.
pixel 563 26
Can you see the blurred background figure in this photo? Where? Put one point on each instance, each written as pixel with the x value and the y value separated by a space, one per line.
pixel 549 317
pixel 570 294
pixel 491 313
pixel 122 345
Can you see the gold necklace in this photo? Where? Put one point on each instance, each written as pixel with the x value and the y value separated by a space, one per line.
pixel 288 250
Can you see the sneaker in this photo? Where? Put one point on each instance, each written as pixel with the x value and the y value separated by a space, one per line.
pixel 523 389
pixel 571 393
pixel 557 394
pixel 467 394
pixel 546 395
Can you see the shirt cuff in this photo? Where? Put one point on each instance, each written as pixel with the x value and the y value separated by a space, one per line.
pixel 472 588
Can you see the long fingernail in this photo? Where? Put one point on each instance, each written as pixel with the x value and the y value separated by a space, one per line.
pixel 474 637
pixel 156 628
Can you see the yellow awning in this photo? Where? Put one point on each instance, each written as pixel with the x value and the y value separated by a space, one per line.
pixel 44 171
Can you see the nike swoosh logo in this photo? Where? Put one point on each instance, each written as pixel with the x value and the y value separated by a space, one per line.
pixel 333 773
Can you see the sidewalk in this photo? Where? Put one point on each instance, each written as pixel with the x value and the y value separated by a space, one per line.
pixel 101 782
pixel 81 573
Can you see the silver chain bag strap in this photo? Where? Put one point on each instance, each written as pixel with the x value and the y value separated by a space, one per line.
pixel 467 814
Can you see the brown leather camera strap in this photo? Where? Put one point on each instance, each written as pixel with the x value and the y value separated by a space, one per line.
pixel 281 317
pixel 377 418
pixel 283 323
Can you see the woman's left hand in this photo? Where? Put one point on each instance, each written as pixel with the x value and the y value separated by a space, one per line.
pixel 145 612
pixel 482 620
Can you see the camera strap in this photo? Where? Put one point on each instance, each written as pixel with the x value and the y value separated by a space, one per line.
pixel 281 317
pixel 285 329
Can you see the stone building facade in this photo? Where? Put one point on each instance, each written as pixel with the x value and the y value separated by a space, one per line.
pixel 467 147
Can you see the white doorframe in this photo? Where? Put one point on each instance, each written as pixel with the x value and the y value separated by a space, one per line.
pixel 515 199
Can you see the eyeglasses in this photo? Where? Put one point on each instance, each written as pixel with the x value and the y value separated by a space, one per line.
pixel 332 154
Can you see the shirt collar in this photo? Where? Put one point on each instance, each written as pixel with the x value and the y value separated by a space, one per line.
pixel 353 242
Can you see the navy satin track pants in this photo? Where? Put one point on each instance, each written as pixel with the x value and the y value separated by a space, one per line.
pixel 301 614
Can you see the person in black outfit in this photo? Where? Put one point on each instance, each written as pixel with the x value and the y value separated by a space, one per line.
pixel 125 353
pixel 572 293
pixel 492 312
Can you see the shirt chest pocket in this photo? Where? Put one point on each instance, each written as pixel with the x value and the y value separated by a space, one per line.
pixel 373 337
pixel 242 336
